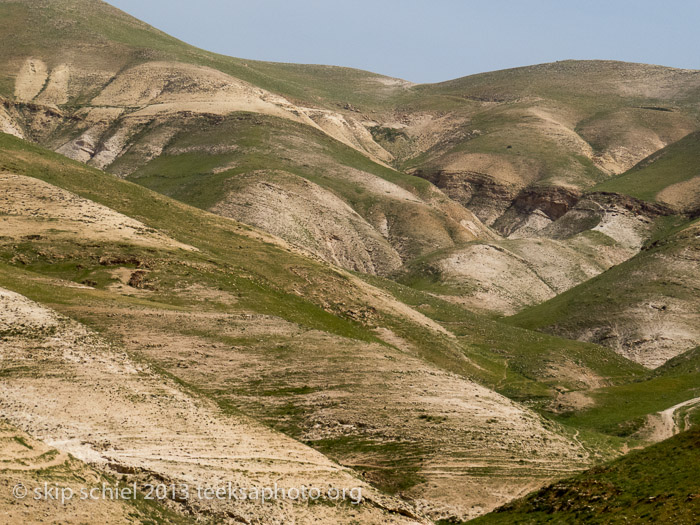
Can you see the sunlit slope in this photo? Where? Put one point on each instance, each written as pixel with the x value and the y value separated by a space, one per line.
pixel 137 102
pixel 246 323
pixel 670 176
pixel 485 139
pixel 30 464
pixel 658 484
pixel 111 40
pixel 305 187
pixel 140 426
pixel 290 280
pixel 516 134
pixel 645 308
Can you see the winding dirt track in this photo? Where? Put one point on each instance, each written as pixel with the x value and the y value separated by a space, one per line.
pixel 670 425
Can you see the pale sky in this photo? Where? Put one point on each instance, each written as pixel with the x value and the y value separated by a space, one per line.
pixel 431 41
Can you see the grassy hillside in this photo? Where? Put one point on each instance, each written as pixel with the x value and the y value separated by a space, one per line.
pixel 115 40
pixel 413 216
pixel 622 410
pixel 482 138
pixel 665 176
pixel 280 291
pixel 232 226
pixel 655 485
pixel 686 363
pixel 645 308
pixel 248 323
pixel 243 305
pixel 626 97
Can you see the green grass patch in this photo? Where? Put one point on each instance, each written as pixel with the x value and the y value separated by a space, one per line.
pixel 656 485
pixel 675 163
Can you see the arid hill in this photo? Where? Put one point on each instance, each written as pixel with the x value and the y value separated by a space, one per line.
pixel 214 269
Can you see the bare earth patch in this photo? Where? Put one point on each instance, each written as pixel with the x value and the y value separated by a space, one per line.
pixel 29 206
pixel 68 388
pixel 372 407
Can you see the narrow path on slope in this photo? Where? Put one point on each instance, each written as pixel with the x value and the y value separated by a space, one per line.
pixel 669 425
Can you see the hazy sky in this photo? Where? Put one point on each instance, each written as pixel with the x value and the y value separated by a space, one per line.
pixel 430 41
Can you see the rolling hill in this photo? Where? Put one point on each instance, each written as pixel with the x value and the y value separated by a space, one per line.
pixel 655 485
pixel 645 308
pixel 366 172
pixel 445 296
pixel 243 323
pixel 668 176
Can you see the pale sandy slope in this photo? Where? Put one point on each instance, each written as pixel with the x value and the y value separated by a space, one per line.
pixel 508 275
pixel 30 463
pixel 30 207
pixel 662 425
pixel 477 449
pixel 68 388
pixel 165 89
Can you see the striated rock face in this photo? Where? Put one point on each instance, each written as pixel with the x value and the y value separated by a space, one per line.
pixel 636 206
pixel 487 198
pixel 148 91
pixel 553 201
pixel 508 207
pixel 623 218
pixel 542 211
pixel 535 208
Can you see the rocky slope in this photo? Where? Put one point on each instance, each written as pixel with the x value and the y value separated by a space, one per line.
pixel 70 389
pixel 657 484
pixel 536 135
pixel 277 273
pixel 645 308
pixel 232 328
pixel 29 464
pixel 598 232
pixel 514 147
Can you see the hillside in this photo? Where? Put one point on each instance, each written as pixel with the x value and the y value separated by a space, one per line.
pixel 111 40
pixel 166 281
pixel 162 279
pixel 601 231
pixel 32 463
pixel 654 407
pixel 566 125
pixel 335 161
pixel 144 101
pixel 655 485
pixel 515 147
pixel 645 308
pixel 443 296
pixel 669 176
